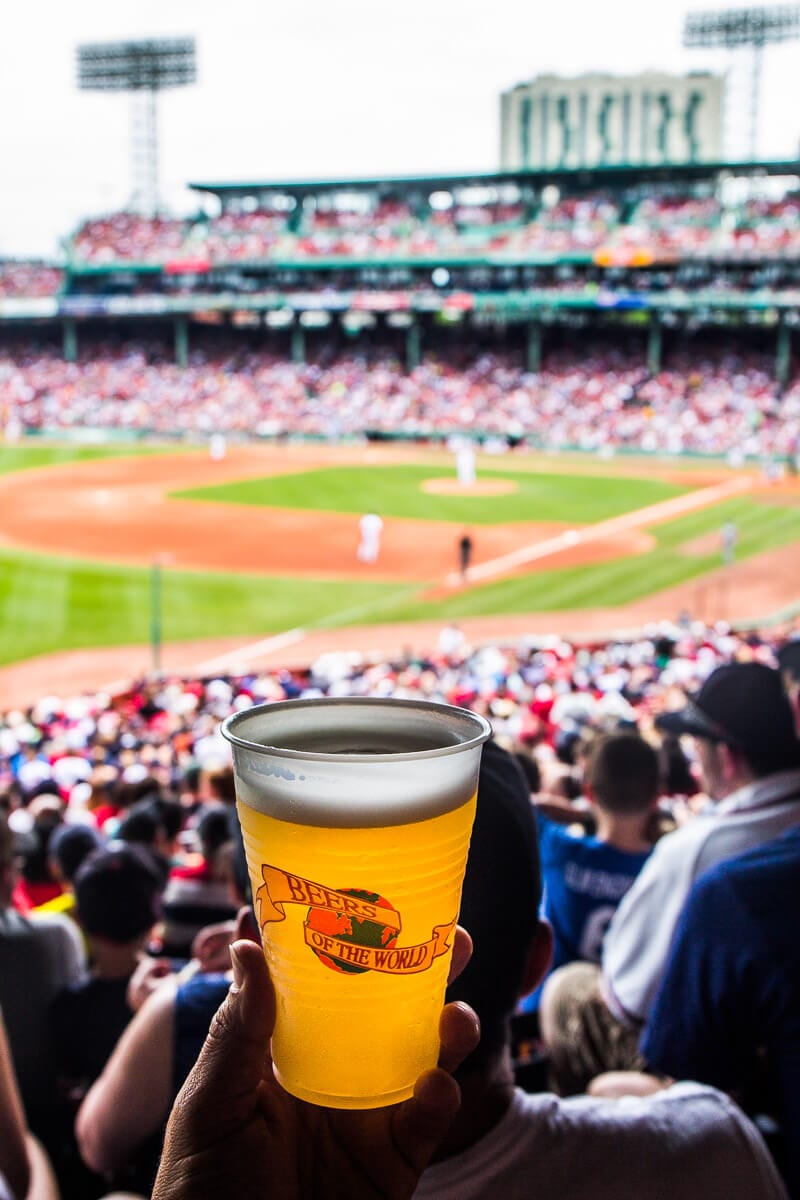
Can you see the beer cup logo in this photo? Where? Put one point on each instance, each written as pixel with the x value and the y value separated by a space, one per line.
pixel 350 930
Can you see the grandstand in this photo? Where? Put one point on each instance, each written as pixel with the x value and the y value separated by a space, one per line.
pixel 655 248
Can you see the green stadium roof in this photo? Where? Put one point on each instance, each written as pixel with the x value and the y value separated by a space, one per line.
pixel 581 178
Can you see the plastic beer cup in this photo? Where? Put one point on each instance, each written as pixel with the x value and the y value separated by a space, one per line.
pixel 356 816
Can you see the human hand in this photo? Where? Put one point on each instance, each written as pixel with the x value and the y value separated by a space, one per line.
pixel 234 1130
pixel 212 946
pixel 149 975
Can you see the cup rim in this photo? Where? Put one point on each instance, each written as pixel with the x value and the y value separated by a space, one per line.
pixel 228 730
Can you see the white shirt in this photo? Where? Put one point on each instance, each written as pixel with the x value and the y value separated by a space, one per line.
pixel 683 1143
pixel 370 526
pixel 640 934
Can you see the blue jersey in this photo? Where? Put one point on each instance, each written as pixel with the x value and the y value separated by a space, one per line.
pixel 728 1009
pixel 584 880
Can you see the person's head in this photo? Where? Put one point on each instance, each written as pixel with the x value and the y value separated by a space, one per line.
pixel 69 846
pixel 743 727
pixel 241 888
pixel 789 667
pixel 676 775
pixel 190 784
pixel 500 904
pixel 214 830
pixel 622 775
pixel 530 769
pixel 145 826
pixel 35 865
pixel 172 817
pixel 118 893
pixel 219 785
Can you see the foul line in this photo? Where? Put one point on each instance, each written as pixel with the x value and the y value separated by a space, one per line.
pixel 652 515
pixel 250 653
pixel 246 653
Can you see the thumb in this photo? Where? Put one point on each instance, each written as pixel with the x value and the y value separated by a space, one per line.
pixel 225 1079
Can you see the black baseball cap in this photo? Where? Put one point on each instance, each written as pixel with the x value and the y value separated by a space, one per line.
pixel 742 705
pixel 118 892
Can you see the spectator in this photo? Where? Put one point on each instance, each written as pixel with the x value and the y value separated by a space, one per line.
pixel 146 825
pixel 122 1117
pixel 728 1008
pixel 217 786
pixel 39 956
pixel 117 890
pixel 69 846
pixel 25 1171
pixel 709 397
pixel 685 1142
pixel 585 877
pixel 201 893
pixel 14 1162
pixel 750 763
pixel 37 883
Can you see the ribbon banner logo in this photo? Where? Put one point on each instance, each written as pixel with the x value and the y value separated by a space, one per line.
pixel 350 930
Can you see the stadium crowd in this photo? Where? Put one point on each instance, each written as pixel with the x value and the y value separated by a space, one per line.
pixel 713 400
pixel 662 225
pixel 19 278
pixel 121 872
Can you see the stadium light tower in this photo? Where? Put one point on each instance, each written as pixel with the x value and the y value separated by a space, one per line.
pixel 748 28
pixel 144 69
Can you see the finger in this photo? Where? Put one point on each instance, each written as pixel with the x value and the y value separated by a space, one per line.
pixel 230 1068
pixel 420 1123
pixel 462 953
pixel 246 925
pixel 460 1032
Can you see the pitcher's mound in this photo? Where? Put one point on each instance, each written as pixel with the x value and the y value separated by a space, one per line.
pixel 481 487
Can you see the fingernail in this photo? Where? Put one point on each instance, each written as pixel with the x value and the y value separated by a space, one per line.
pixel 238 970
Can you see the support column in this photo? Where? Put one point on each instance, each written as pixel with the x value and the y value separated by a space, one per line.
pixel 654 344
pixel 182 341
pixel 70 341
pixel 783 354
pixel 298 344
pixel 413 346
pixel 534 355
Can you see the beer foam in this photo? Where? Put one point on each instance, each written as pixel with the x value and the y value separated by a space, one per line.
pixel 356 763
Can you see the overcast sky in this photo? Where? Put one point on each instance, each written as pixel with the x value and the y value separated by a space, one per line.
pixel 306 88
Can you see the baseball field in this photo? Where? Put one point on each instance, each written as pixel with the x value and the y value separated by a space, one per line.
pixel 262 547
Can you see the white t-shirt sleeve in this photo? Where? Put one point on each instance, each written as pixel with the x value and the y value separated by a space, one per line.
pixel 639 937
pixel 690 1141
pixel 681 1144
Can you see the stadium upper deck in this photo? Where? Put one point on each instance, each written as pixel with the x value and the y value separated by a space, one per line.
pixel 608 217
pixel 712 245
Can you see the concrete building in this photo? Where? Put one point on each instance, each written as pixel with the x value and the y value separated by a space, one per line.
pixel 593 120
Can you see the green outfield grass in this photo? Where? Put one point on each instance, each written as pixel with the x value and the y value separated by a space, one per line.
pixel 23 457
pixel 395 491
pixel 49 604
pixel 600 585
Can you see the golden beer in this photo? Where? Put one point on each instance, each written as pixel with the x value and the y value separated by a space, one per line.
pixel 356 858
